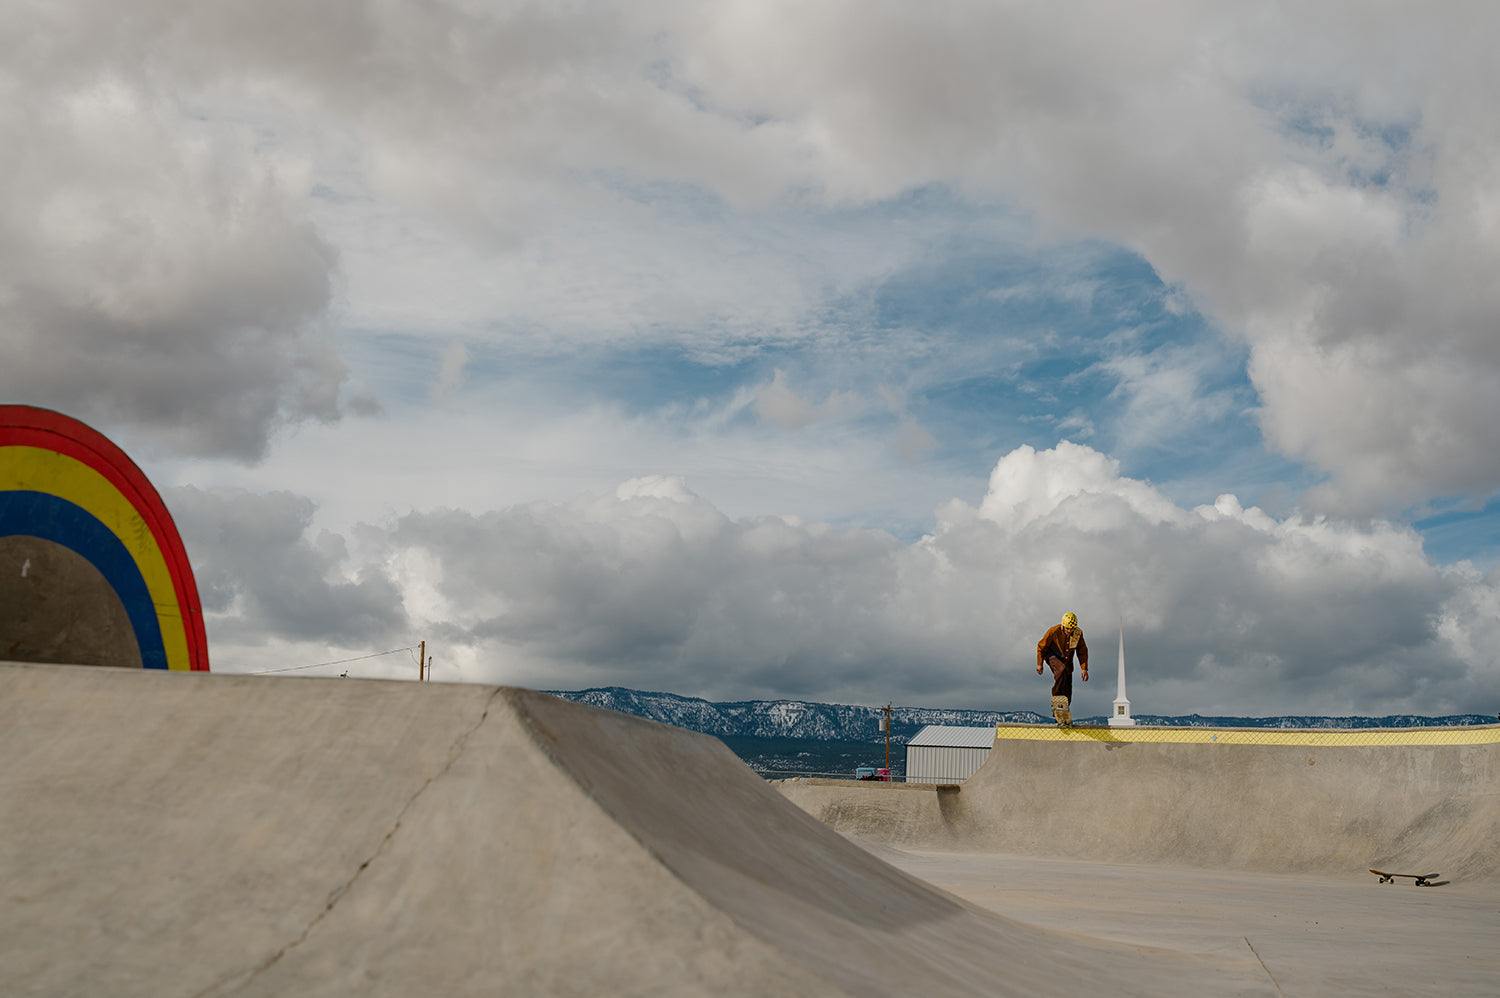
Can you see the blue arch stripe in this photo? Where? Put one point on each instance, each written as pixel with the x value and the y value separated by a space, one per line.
pixel 37 514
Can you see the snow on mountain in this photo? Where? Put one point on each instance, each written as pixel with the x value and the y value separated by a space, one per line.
pixel 854 723
pixel 787 718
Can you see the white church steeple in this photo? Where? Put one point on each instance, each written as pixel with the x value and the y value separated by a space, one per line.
pixel 1121 716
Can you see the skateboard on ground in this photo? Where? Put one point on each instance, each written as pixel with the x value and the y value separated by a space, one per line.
pixel 1422 879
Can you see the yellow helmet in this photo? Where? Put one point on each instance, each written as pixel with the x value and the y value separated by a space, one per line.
pixel 1070 620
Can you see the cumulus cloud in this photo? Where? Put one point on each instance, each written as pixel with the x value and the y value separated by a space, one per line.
pixel 157 271
pixel 266 579
pixel 182 181
pixel 1225 609
pixel 1318 179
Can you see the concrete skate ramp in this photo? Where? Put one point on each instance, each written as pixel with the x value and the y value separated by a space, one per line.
pixel 1423 800
pixel 198 835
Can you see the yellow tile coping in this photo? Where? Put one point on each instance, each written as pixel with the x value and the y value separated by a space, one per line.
pixel 1477 734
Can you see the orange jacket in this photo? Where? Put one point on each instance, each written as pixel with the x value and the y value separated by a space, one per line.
pixel 1055 643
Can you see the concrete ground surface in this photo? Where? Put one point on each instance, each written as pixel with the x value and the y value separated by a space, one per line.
pixel 187 834
pixel 199 835
pixel 1311 935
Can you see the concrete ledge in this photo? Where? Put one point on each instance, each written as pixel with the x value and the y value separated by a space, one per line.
pixel 1474 734
pixel 820 781
pixel 1273 800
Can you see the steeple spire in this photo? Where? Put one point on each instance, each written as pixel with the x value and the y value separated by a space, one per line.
pixel 1121 716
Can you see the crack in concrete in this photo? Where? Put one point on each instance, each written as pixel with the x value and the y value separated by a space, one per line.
pixel 1263 966
pixel 455 752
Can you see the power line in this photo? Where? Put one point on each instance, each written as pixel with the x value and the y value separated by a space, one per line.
pixel 319 665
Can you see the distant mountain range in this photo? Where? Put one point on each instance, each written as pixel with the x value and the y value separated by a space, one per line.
pixel 802 719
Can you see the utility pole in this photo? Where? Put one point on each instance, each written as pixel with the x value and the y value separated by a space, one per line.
pixel 885 723
pixel 422 663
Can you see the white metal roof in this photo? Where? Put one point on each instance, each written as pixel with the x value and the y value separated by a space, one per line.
pixel 953 736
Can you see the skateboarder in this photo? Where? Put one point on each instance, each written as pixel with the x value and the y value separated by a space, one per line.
pixel 1056 649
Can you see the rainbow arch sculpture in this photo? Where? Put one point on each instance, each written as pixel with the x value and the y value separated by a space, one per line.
pixel 64 485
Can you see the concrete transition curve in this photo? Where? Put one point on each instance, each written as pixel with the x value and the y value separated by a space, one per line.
pixel 92 570
pixel 1328 802
pixel 210 835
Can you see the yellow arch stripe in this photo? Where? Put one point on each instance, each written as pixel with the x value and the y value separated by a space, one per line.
pixel 1478 734
pixel 33 469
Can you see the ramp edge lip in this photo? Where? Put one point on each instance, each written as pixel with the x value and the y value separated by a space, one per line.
pixel 1473 734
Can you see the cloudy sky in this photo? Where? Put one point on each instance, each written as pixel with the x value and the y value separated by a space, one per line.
pixel 759 349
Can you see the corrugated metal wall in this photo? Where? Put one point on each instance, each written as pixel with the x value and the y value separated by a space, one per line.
pixel 942 763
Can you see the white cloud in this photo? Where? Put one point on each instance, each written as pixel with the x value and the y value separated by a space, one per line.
pixel 157 273
pixel 670 487
pixel 1027 486
pixel 195 196
pixel 1320 180
pixel 1226 609
pixel 530 437
pixel 1166 397
pixel 264 576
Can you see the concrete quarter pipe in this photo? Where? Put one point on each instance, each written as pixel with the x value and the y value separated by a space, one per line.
pixel 1325 802
pixel 198 835
pixel 1253 841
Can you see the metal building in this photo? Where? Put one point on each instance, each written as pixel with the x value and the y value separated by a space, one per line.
pixel 947 753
